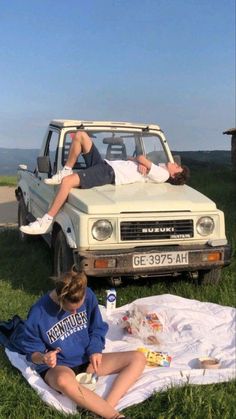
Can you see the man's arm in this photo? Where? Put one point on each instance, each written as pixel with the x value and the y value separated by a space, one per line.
pixel 141 159
pixel 155 172
pixel 144 165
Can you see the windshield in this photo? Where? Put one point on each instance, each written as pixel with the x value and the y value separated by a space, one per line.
pixel 115 145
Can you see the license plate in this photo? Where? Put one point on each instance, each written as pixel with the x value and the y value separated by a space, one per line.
pixel 160 259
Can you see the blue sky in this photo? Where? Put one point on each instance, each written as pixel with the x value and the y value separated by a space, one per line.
pixel 170 62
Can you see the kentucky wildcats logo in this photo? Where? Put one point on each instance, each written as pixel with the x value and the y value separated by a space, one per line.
pixel 67 326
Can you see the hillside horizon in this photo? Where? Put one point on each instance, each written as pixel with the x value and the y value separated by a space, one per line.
pixel 10 158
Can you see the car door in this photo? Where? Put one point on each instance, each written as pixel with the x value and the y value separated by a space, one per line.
pixel 41 194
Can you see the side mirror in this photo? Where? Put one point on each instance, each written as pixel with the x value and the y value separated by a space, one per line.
pixel 43 163
pixel 22 167
pixel 177 159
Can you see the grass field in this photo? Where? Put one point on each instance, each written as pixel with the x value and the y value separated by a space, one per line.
pixel 8 180
pixel 24 272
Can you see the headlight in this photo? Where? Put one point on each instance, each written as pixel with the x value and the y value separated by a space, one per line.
pixel 102 230
pixel 205 226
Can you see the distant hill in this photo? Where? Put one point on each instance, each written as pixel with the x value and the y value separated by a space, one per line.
pixel 205 158
pixel 11 158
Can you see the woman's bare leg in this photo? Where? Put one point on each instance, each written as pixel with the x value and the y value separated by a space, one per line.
pixel 128 365
pixel 63 379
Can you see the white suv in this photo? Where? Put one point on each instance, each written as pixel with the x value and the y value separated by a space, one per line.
pixel 135 230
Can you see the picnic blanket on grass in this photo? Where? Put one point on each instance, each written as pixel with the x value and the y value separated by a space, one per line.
pixel 191 330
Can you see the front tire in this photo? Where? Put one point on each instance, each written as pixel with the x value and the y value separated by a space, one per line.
pixel 114 282
pixel 22 218
pixel 63 255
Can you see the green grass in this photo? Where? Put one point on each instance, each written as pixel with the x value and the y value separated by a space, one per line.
pixel 8 180
pixel 218 183
pixel 24 272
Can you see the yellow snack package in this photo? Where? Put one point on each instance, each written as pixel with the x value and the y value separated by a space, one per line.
pixel 156 359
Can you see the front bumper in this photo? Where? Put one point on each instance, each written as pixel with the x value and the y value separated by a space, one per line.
pixel 120 262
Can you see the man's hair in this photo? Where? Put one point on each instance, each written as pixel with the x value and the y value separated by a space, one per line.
pixel 70 287
pixel 180 178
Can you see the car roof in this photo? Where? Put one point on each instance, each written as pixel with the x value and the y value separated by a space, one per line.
pixel 80 124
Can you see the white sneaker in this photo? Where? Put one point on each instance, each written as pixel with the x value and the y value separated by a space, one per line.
pixel 57 178
pixel 40 226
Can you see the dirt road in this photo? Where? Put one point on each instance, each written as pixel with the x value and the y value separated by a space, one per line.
pixel 8 206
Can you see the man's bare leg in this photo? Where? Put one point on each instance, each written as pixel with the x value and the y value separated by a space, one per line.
pixel 81 143
pixel 43 225
pixel 67 183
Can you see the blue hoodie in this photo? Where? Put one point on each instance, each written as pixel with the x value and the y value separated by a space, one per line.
pixel 78 335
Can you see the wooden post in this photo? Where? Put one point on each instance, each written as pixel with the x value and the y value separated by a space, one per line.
pixel 233 150
pixel 232 132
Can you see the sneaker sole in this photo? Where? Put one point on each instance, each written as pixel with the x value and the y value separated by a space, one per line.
pixel 32 232
pixel 50 182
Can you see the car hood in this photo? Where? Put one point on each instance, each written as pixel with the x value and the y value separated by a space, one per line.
pixel 139 197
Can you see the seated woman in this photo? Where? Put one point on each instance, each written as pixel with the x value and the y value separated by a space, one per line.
pixel 64 335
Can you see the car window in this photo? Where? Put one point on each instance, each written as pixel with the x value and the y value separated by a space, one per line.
pixel 51 149
pixel 153 149
pixel 115 145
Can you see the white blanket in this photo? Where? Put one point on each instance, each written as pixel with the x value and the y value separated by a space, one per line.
pixel 192 329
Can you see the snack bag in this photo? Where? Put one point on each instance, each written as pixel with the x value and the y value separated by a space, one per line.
pixel 156 359
pixel 143 324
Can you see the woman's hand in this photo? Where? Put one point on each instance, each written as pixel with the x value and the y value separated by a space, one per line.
pixel 50 358
pixel 96 360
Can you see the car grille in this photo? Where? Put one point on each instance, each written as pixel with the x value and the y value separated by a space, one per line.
pixel 156 230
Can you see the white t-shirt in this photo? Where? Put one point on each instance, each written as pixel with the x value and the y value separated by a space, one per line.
pixel 126 171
